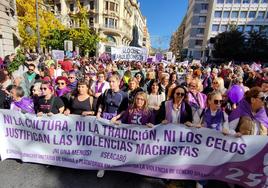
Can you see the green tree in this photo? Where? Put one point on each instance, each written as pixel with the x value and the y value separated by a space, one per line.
pixel 56 39
pixel 18 61
pixel 27 22
pixel 229 45
pixel 256 47
pixel 83 37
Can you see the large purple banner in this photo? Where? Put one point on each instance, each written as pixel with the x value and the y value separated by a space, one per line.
pixel 165 151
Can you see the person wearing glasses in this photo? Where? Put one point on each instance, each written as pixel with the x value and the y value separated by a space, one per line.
pixel 139 113
pixel 62 90
pixel 82 102
pixel 197 100
pixel 250 118
pixel 29 79
pixel 213 117
pixel 218 85
pixel 47 103
pixel 176 110
pixel 72 80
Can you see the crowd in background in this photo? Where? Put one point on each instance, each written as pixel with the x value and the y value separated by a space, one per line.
pixel 147 94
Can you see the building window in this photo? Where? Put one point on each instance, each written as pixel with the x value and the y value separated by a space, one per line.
pixel 198 42
pixel 248 28
pixel 91 21
pixel 215 27
pixel 229 1
pixel 106 5
pixel 226 14
pixel 237 1
pixel 261 15
pixel 240 28
pixel 246 1
pixel 264 1
pixel 234 14
pixel 202 19
pixel 112 6
pixel 71 7
pixel 243 14
pixel 252 14
pixel 256 28
pixel 111 39
pixel 217 14
pixel 204 6
pixel 58 7
pixel 224 28
pixel 200 31
pixel 220 1
pixel 256 1
pixel 110 23
pixel 91 5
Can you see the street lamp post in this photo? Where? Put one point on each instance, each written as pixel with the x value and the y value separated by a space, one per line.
pixel 37 27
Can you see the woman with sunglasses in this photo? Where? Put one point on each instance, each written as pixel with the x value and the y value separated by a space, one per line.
pixel 47 103
pixel 139 113
pixel 250 118
pixel 72 80
pixel 218 85
pixel 62 90
pixel 197 100
pixel 213 117
pixel 140 78
pixel 176 110
pixel 82 102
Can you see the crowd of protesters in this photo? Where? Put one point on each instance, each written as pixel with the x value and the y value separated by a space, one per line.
pixel 142 93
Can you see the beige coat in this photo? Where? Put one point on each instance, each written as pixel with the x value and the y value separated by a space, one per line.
pixel 247 126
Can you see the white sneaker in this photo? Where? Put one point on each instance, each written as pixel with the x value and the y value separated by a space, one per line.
pixel 100 173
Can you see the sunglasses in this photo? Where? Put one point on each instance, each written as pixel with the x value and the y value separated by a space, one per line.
pixel 31 69
pixel 43 88
pixel 215 82
pixel 71 77
pixel 180 94
pixel 218 101
pixel 61 83
pixel 264 99
pixel 192 86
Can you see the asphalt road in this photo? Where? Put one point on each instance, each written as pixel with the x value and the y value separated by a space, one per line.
pixel 26 175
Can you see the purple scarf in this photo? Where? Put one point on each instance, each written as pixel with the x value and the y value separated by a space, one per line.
pixel 244 109
pixel 98 90
pixel 217 119
pixel 201 103
pixel 73 85
pixel 60 92
pixel 25 104
pixel 169 107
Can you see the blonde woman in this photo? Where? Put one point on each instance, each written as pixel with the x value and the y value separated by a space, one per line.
pixel 218 85
pixel 139 113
